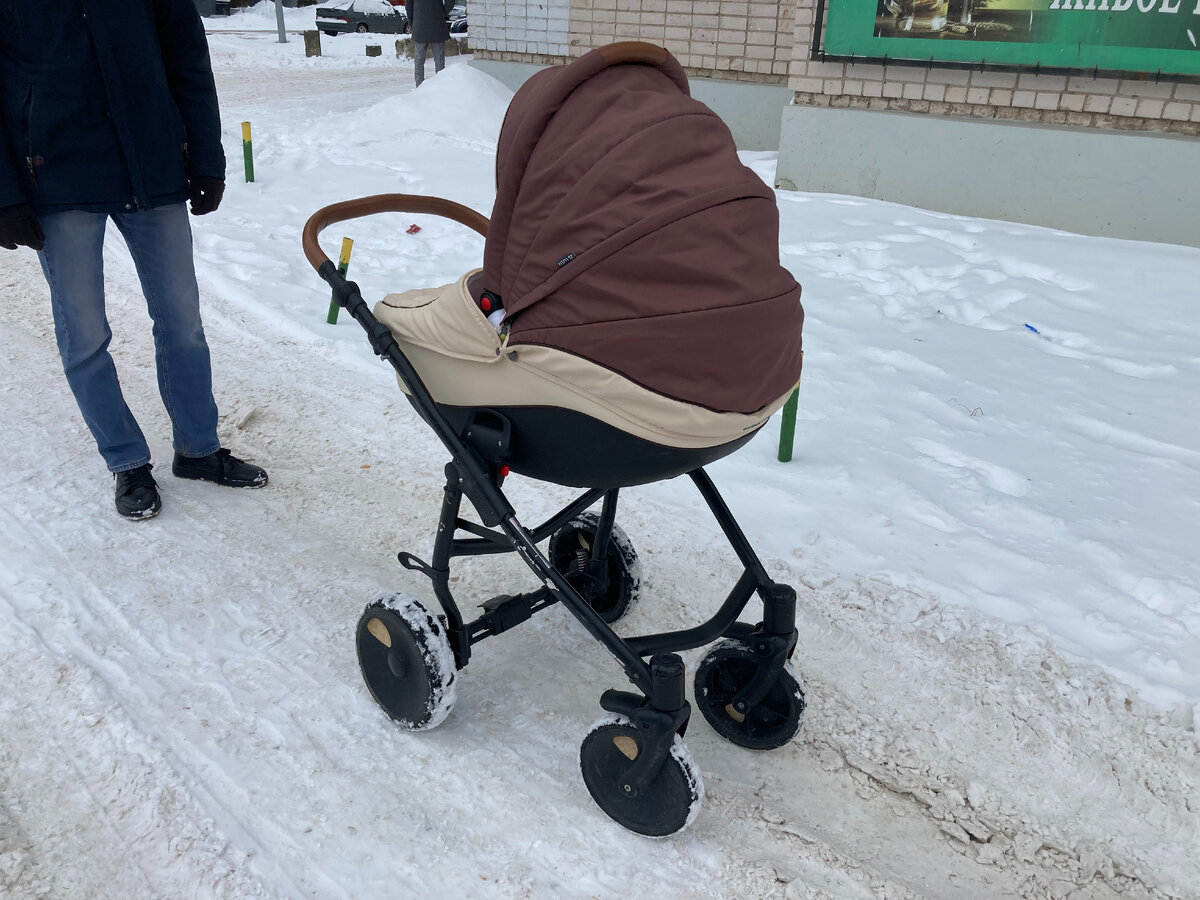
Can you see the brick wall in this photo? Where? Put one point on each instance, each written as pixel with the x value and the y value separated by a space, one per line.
pixel 737 40
pixel 536 30
pixel 1117 103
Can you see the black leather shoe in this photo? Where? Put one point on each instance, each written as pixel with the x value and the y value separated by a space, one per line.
pixel 221 467
pixel 137 493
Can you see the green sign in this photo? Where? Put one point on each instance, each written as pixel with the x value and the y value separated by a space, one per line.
pixel 1143 36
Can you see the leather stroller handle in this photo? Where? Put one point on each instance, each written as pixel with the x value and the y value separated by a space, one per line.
pixel 634 52
pixel 381 203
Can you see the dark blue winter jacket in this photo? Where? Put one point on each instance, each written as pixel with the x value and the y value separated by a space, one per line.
pixel 104 106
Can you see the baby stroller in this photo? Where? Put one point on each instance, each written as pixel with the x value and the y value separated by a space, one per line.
pixel 630 323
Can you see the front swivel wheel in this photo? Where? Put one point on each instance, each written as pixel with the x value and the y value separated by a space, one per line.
pixel 723 674
pixel 666 806
pixel 406 661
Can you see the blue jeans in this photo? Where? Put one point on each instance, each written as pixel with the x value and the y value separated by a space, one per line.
pixel 419 51
pixel 160 242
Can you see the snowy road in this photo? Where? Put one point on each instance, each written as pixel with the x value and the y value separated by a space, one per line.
pixel 189 693
pixel 189 698
pixel 182 717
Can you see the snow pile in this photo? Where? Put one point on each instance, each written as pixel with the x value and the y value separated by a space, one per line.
pixel 460 104
pixel 262 15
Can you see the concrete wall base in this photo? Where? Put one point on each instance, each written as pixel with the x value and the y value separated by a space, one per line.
pixel 511 74
pixel 1111 183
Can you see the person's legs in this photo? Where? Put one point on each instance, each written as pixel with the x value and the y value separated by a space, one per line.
pixel 73 263
pixel 160 241
pixel 419 50
pixel 439 57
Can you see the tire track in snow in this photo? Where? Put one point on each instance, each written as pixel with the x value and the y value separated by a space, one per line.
pixel 1019 753
pixel 77 774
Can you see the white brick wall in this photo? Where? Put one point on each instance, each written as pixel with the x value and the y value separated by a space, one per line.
pixel 743 40
pixel 521 26
pixel 746 39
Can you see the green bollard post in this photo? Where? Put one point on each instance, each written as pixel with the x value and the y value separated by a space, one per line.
pixel 787 427
pixel 247 152
pixel 343 265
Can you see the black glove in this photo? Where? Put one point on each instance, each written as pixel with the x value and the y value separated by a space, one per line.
pixel 206 193
pixel 18 225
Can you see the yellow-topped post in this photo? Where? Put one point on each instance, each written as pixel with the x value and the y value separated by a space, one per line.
pixel 247 152
pixel 343 266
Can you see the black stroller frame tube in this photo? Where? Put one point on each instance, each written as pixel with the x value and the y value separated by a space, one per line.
pixel 691 638
pixel 490 541
pixel 779 601
pixel 472 472
pixel 556 587
pixel 729 525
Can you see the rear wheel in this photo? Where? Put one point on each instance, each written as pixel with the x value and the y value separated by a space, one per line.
pixel 571 554
pixel 362 28
pixel 406 661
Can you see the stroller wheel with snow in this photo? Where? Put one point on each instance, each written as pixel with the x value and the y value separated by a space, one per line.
pixel 647 331
pixel 406 661
pixel 660 805
pixel 745 698
pixel 606 572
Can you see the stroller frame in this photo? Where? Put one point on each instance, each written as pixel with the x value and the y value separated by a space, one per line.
pixel 631 789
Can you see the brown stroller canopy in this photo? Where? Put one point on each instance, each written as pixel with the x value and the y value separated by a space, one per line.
pixel 626 231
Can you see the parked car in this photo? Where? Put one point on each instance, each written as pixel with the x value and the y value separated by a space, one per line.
pixel 375 16
pixel 458 26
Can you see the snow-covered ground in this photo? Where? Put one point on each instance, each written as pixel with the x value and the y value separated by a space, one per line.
pixel 991 518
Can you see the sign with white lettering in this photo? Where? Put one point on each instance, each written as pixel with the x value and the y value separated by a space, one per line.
pixel 1148 37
